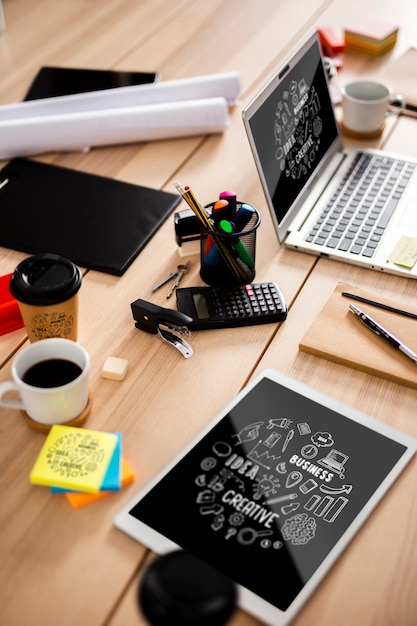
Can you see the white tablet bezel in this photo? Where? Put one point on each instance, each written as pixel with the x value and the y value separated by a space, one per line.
pixel 248 600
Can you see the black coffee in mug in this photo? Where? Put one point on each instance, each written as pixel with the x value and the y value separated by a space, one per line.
pixel 51 373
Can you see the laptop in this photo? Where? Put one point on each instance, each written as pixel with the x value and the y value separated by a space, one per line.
pixel 348 204
pixel 334 461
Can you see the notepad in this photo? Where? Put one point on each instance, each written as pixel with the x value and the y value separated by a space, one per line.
pixel 74 458
pixel 113 476
pixel 336 334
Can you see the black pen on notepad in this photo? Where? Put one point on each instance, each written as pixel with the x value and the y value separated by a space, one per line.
pixel 376 328
pixel 380 305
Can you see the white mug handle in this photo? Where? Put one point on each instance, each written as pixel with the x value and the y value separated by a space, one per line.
pixel 396 104
pixel 13 404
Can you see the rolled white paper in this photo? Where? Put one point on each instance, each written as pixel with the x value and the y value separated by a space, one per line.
pixel 226 85
pixel 79 131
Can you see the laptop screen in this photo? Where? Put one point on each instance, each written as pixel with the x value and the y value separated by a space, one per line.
pixel 291 127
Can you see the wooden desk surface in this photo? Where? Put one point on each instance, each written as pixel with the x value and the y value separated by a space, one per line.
pixel 64 566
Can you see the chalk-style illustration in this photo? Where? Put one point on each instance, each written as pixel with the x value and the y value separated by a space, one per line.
pixel 326 507
pixel 336 490
pixel 288 496
pixel 200 481
pixel 272 439
pixel 323 505
pixel 280 422
pixel 211 509
pixel 248 433
pixel 265 486
pixel 289 508
pixel 312 502
pixel 309 451
pixel 297 128
pixel 236 488
pixel 218 522
pixel 208 463
pixel 303 428
pixel 248 535
pixel 293 479
pixel 308 486
pixel 335 462
pixel 322 439
pixel 335 510
pixel 205 496
pixel 266 459
pixel 299 529
pixel 281 467
pixel 236 519
pixel 217 483
pixel 288 438
pixel 222 448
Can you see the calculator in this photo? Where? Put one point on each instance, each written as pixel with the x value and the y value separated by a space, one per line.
pixel 225 307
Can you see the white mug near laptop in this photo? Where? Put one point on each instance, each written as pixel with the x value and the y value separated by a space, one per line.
pixel 366 104
pixel 51 378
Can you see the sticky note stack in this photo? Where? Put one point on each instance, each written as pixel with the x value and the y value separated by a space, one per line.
pixel 371 36
pixel 84 464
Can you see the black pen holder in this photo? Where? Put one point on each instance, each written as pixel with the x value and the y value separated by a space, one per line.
pixel 227 253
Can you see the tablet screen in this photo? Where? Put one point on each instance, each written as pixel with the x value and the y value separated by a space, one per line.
pixel 267 493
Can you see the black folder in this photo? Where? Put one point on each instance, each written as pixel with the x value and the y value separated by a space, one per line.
pixel 97 222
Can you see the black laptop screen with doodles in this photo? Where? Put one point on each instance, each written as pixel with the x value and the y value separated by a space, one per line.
pixel 293 129
pixel 270 490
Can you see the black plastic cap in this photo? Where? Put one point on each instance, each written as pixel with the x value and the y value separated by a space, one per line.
pixel 45 279
pixel 178 589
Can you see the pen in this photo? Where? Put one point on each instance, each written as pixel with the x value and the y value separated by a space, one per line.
pixel 380 305
pixel 376 328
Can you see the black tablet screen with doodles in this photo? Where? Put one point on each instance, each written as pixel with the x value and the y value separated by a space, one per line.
pixel 267 493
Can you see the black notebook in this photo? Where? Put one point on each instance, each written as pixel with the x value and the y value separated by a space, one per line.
pixel 97 222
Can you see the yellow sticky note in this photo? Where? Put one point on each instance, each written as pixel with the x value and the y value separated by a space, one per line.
pixel 405 252
pixel 74 458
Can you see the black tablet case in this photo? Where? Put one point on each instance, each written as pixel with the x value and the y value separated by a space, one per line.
pixel 97 222
pixel 63 81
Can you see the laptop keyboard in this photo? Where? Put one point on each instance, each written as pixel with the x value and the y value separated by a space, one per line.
pixel 359 211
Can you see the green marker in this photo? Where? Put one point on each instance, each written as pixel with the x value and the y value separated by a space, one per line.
pixel 239 246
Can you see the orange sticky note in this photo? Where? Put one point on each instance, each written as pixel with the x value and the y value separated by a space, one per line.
pixel 78 500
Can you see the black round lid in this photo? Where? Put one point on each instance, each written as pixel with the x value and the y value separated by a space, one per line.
pixel 45 279
pixel 178 589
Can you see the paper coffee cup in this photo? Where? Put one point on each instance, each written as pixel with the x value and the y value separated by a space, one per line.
pixel 46 287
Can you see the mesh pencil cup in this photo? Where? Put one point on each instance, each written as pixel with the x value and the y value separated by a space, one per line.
pixel 227 253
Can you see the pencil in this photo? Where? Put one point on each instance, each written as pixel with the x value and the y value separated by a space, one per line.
pixel 380 305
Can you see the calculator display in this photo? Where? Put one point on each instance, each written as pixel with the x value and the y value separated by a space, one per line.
pixel 200 304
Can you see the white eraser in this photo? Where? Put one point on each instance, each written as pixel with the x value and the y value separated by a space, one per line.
pixel 115 368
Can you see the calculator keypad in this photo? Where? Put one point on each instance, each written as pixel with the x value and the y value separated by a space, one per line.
pixel 249 300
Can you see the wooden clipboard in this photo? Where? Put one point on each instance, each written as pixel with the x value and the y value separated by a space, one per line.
pixel 338 335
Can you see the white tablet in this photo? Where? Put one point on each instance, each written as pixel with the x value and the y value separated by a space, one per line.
pixel 271 491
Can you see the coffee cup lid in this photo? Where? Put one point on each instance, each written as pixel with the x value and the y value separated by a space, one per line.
pixel 45 279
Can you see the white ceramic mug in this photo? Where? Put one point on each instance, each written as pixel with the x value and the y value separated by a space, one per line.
pixel 45 404
pixel 366 104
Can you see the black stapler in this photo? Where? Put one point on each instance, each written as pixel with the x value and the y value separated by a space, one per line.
pixel 170 325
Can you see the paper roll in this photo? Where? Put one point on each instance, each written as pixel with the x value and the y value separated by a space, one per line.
pixel 226 85
pixel 79 131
